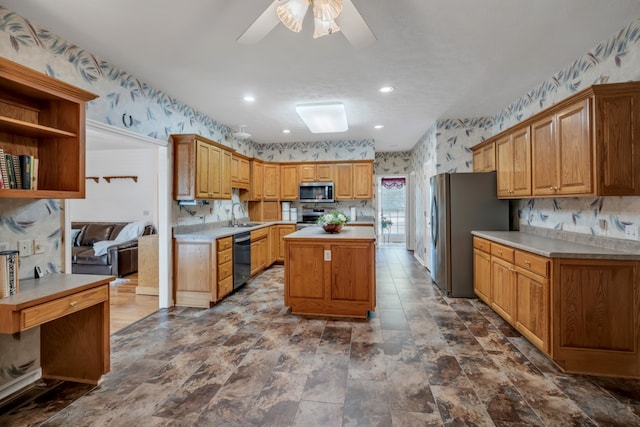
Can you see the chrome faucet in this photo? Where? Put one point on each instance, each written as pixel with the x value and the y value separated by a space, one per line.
pixel 233 217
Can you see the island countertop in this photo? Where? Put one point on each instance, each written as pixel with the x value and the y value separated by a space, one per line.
pixel 347 233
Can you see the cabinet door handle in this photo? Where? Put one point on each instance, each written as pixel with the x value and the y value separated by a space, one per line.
pixel 73 303
pixel 512 270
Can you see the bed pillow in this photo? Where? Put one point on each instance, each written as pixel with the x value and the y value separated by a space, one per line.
pixel 131 231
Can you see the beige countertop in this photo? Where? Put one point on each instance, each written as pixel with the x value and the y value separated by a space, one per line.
pixel 216 232
pixel 553 248
pixel 347 233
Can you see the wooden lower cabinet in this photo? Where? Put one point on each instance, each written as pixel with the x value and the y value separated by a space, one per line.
pixel 259 250
pixel 194 272
pixel 503 299
pixel 595 309
pixel 532 308
pixel 482 275
pixel 224 271
pixel 283 230
pixel 582 313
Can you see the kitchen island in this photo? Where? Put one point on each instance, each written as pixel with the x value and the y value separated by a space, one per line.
pixel 330 274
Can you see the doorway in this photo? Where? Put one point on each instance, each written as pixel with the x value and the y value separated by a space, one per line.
pixel 113 148
pixel 392 209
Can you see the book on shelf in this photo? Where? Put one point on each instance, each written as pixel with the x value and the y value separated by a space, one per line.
pixel 25 171
pixel 10 171
pixel 16 171
pixel 9 280
pixel 34 173
pixel 3 170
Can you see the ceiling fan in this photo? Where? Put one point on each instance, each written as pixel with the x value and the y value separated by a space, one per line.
pixel 329 16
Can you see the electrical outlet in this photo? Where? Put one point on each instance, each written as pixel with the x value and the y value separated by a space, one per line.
pixel 39 246
pixel 631 232
pixel 4 246
pixel 25 247
pixel 327 255
pixel 601 229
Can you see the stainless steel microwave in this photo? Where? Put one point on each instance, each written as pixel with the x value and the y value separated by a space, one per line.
pixel 315 192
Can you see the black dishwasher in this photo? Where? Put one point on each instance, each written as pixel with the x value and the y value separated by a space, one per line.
pixel 241 259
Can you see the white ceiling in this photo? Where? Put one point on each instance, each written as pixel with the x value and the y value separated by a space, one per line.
pixel 446 58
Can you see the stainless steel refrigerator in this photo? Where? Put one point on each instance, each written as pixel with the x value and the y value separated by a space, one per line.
pixel 461 202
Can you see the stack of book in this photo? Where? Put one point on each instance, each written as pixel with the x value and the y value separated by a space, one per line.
pixel 18 171
pixel 8 273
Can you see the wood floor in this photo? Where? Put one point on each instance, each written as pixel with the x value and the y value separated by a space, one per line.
pixel 126 306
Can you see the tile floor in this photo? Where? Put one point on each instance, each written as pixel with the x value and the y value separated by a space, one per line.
pixel 420 360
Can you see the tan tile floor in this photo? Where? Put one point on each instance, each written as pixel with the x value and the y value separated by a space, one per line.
pixel 420 360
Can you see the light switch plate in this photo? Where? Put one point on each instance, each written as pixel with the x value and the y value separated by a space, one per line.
pixel 631 232
pixel 327 255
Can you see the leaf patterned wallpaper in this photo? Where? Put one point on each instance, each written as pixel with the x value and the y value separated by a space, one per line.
pixel 445 147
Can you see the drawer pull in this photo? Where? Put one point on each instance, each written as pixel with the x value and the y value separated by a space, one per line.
pixel 512 270
pixel 499 253
pixel 73 303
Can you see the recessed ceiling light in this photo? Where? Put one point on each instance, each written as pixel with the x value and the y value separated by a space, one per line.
pixel 386 89
pixel 249 98
pixel 324 117
pixel 378 126
pixel 286 131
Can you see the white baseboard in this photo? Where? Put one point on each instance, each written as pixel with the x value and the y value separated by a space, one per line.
pixel 20 382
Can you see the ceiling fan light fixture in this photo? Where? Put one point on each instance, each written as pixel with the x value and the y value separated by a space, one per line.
pixel 324 117
pixel 324 28
pixel 327 10
pixel 292 12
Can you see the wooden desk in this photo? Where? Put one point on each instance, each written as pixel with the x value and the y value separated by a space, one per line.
pixel 72 311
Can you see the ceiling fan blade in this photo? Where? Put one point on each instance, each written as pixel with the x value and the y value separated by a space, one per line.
pixel 353 26
pixel 262 26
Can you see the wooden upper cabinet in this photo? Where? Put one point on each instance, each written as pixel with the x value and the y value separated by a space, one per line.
pixel 240 171
pixel 513 154
pixel 484 157
pixel 363 180
pixel 307 172
pixel 225 174
pixel 257 179
pixel 201 167
pixel 289 182
pixel 586 145
pixel 343 188
pixel 271 187
pixel 311 172
pixel 617 140
pixel 45 118
pixel 561 152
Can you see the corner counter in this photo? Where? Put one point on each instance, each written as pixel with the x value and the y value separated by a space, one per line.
pixel 578 304
pixel 330 274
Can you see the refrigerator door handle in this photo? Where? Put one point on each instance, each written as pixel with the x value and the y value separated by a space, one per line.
pixel 434 221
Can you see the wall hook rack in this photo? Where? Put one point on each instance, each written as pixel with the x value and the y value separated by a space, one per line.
pixel 94 178
pixel 109 178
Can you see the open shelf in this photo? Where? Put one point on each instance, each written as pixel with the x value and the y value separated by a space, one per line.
pixel 33 130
